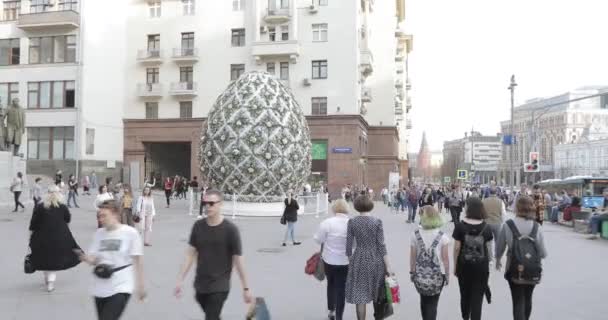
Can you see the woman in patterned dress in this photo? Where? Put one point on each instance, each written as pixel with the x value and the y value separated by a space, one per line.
pixel 369 263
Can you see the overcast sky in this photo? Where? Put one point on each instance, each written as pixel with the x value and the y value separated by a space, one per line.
pixel 465 52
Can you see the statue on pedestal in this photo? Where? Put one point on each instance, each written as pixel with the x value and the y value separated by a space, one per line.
pixel 15 125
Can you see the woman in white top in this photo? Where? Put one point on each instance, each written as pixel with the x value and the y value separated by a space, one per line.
pixel 17 188
pixel 102 196
pixel 429 241
pixel 146 212
pixel 332 238
pixel 117 247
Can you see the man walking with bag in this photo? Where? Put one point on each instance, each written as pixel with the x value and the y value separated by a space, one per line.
pixel 215 243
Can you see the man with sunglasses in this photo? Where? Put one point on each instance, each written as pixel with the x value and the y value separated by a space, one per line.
pixel 215 243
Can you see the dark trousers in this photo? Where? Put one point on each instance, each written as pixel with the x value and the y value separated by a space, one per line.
pixel 168 196
pixel 112 307
pixel 455 211
pixel 521 294
pixel 428 307
pixel 472 289
pixel 336 288
pixel 36 201
pixel 212 304
pixel 18 203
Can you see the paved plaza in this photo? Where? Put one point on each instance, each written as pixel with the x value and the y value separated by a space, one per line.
pixel 575 285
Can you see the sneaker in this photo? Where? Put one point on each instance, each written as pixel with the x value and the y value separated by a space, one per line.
pixel 593 237
pixel 331 315
pixel 297 243
pixel 77 206
pixel 284 245
pixel 50 286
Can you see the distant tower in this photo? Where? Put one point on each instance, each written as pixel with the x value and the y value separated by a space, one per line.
pixel 424 160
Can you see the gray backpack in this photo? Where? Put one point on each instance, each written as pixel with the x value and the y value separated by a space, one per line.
pixel 474 248
pixel 428 278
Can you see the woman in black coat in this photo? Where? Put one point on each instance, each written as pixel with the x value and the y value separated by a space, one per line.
pixel 51 240
pixel 290 215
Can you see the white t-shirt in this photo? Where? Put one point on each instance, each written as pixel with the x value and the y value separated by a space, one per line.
pixel 332 234
pixel 115 248
pixel 428 236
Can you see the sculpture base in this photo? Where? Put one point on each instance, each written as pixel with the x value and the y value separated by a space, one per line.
pixel 255 209
pixel 9 166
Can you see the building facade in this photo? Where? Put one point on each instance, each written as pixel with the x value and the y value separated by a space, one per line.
pixel 542 124
pixel 56 63
pixel 476 153
pixel 349 80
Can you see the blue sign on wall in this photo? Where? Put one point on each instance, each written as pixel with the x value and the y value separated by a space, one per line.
pixel 342 150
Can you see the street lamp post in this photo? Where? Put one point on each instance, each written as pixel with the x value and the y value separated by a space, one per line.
pixel 512 148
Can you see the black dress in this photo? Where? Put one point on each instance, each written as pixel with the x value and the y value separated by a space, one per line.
pixel 52 242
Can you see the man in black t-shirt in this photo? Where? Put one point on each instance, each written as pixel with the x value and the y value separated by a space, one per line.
pixel 215 243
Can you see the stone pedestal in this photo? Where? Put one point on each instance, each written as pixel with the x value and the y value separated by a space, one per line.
pixel 9 166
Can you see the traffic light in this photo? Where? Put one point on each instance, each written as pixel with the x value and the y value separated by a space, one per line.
pixel 533 165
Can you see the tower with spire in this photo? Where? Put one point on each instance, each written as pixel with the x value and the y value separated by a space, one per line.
pixel 423 164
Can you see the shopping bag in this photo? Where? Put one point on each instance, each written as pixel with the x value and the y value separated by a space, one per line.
pixel 258 310
pixel 392 290
pixel 314 267
pixel 383 308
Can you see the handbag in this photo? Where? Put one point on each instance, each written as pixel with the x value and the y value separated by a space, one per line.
pixel 28 266
pixel 105 271
pixel 136 215
pixel 383 308
pixel 392 290
pixel 283 220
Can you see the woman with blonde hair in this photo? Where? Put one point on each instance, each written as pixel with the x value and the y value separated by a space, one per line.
pixel 146 212
pixel 51 240
pixel 126 206
pixel 429 261
pixel 332 238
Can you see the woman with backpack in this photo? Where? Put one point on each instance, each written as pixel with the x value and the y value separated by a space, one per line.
pixel 523 253
pixel 429 261
pixel 472 252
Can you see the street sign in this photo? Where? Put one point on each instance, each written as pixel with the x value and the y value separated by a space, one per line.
pixel 447 179
pixel 342 150
pixel 461 174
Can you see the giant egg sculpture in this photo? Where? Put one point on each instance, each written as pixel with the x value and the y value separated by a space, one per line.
pixel 256 143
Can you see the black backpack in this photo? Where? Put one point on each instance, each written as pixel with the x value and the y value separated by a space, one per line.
pixel 474 248
pixel 525 263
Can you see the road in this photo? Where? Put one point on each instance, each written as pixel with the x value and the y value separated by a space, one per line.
pixel 574 287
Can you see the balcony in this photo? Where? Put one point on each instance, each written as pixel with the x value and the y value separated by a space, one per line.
pixel 408 84
pixel 367 62
pixel 149 90
pixel 398 107
pixel 150 56
pixel 189 55
pixel 366 94
pixel 277 16
pixel 399 83
pixel 399 117
pixel 274 49
pixel 400 68
pixel 42 21
pixel 408 124
pixel 183 89
pixel 399 57
pixel 408 105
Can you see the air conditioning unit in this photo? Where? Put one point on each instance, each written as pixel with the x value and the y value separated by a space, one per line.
pixel 263 29
pixel 313 8
pixel 306 82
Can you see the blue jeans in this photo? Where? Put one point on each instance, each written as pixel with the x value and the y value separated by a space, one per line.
pixel 290 231
pixel 72 195
pixel 595 223
pixel 404 205
pixel 412 213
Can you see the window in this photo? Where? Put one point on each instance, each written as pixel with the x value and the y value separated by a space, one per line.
pixel 187 42
pixel 238 37
pixel 185 109
pixel 152 75
pixel 8 92
pixel 319 69
pixel 186 75
pixel 56 49
pixel 272 34
pixel 238 5
pixel 319 106
pixel 68 5
pixel 319 32
pixel 151 110
pixel 51 94
pixel 270 68
pixel 188 6
pixel 154 8
pixel 90 141
pixel 236 70
pixel 323 2
pixel 12 8
pixel 37 6
pixel 50 143
pixel 284 4
pixel 9 52
pixel 154 45
pixel 284 71
pixel 284 33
